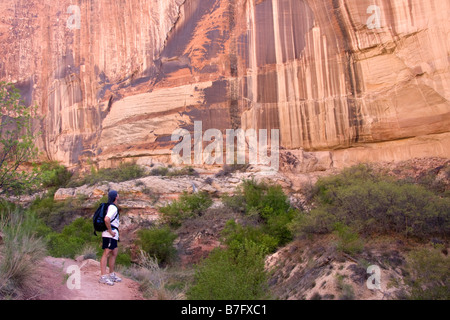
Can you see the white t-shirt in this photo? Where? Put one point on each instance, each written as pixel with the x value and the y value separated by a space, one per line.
pixel 112 212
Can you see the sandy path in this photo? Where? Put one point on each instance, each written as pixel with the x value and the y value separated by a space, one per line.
pixel 53 278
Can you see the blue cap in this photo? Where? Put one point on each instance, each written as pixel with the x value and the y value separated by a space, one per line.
pixel 112 195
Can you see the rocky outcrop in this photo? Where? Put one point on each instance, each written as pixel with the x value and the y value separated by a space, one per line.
pixel 339 84
pixel 316 270
pixel 151 191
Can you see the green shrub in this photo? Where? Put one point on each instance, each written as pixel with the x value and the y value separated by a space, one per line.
pixel 236 201
pixel 274 202
pixel 253 193
pixel 269 203
pixel 187 206
pixel 186 171
pixel 53 175
pixel 158 242
pixel 124 172
pixel 56 214
pixel 231 275
pixel 160 171
pixel 428 275
pixel 73 238
pixel 318 221
pixel 123 258
pixel 372 204
pixel 348 240
pixel 227 170
pixel 277 226
pixel 235 236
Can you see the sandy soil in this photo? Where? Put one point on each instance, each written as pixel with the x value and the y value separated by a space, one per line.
pixel 53 280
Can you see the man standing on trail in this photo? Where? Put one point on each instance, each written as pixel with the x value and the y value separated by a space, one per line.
pixel 110 237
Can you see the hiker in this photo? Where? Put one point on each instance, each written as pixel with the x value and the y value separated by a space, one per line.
pixel 110 238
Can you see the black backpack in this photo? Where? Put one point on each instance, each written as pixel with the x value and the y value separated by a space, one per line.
pixel 99 218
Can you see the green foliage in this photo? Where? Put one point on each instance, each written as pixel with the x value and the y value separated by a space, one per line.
pixel 159 171
pixel 374 204
pixel 236 201
pixel 186 171
pixel 72 239
pixel 187 206
pixel 163 171
pixel 269 203
pixel 75 238
pixel 158 242
pixel 349 241
pixel 53 175
pixel 56 214
pixel 16 142
pixel 277 226
pixel 22 249
pixel 124 172
pixel 235 235
pixel 123 258
pixel 237 274
pixel 229 169
pixel 428 275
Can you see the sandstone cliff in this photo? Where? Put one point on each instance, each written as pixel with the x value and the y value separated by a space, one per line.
pixel 338 82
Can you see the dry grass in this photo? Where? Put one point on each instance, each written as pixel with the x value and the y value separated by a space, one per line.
pixel 154 280
pixel 20 253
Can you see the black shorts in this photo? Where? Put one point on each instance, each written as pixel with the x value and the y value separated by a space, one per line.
pixel 109 243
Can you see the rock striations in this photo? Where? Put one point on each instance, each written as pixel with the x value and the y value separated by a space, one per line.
pixel 361 80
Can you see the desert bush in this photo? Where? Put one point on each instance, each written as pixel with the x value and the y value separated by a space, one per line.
pixel 277 226
pixel 187 206
pixel 158 243
pixel 235 201
pixel 156 281
pixel 88 251
pixel 75 238
pixel 231 275
pixel 186 171
pixel 160 171
pixel 346 290
pixel 428 274
pixel 227 169
pixel 53 175
pixel 235 236
pixel 20 252
pixel 373 204
pixel 269 203
pixel 71 240
pixel 348 240
pixel 56 214
pixel 123 257
pixel 124 172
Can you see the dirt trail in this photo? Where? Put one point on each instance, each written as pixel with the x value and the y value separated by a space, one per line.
pixel 53 278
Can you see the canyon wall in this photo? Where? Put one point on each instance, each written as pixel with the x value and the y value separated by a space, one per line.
pixel 348 80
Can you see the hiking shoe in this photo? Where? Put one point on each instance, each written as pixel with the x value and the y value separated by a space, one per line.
pixel 114 277
pixel 106 280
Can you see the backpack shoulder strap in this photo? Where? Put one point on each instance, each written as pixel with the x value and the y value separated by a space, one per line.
pixel 117 213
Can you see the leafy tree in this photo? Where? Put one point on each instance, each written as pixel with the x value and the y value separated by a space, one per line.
pixel 16 141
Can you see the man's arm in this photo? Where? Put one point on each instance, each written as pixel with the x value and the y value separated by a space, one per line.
pixel 108 226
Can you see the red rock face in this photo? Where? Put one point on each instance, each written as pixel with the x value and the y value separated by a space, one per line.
pixel 363 82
